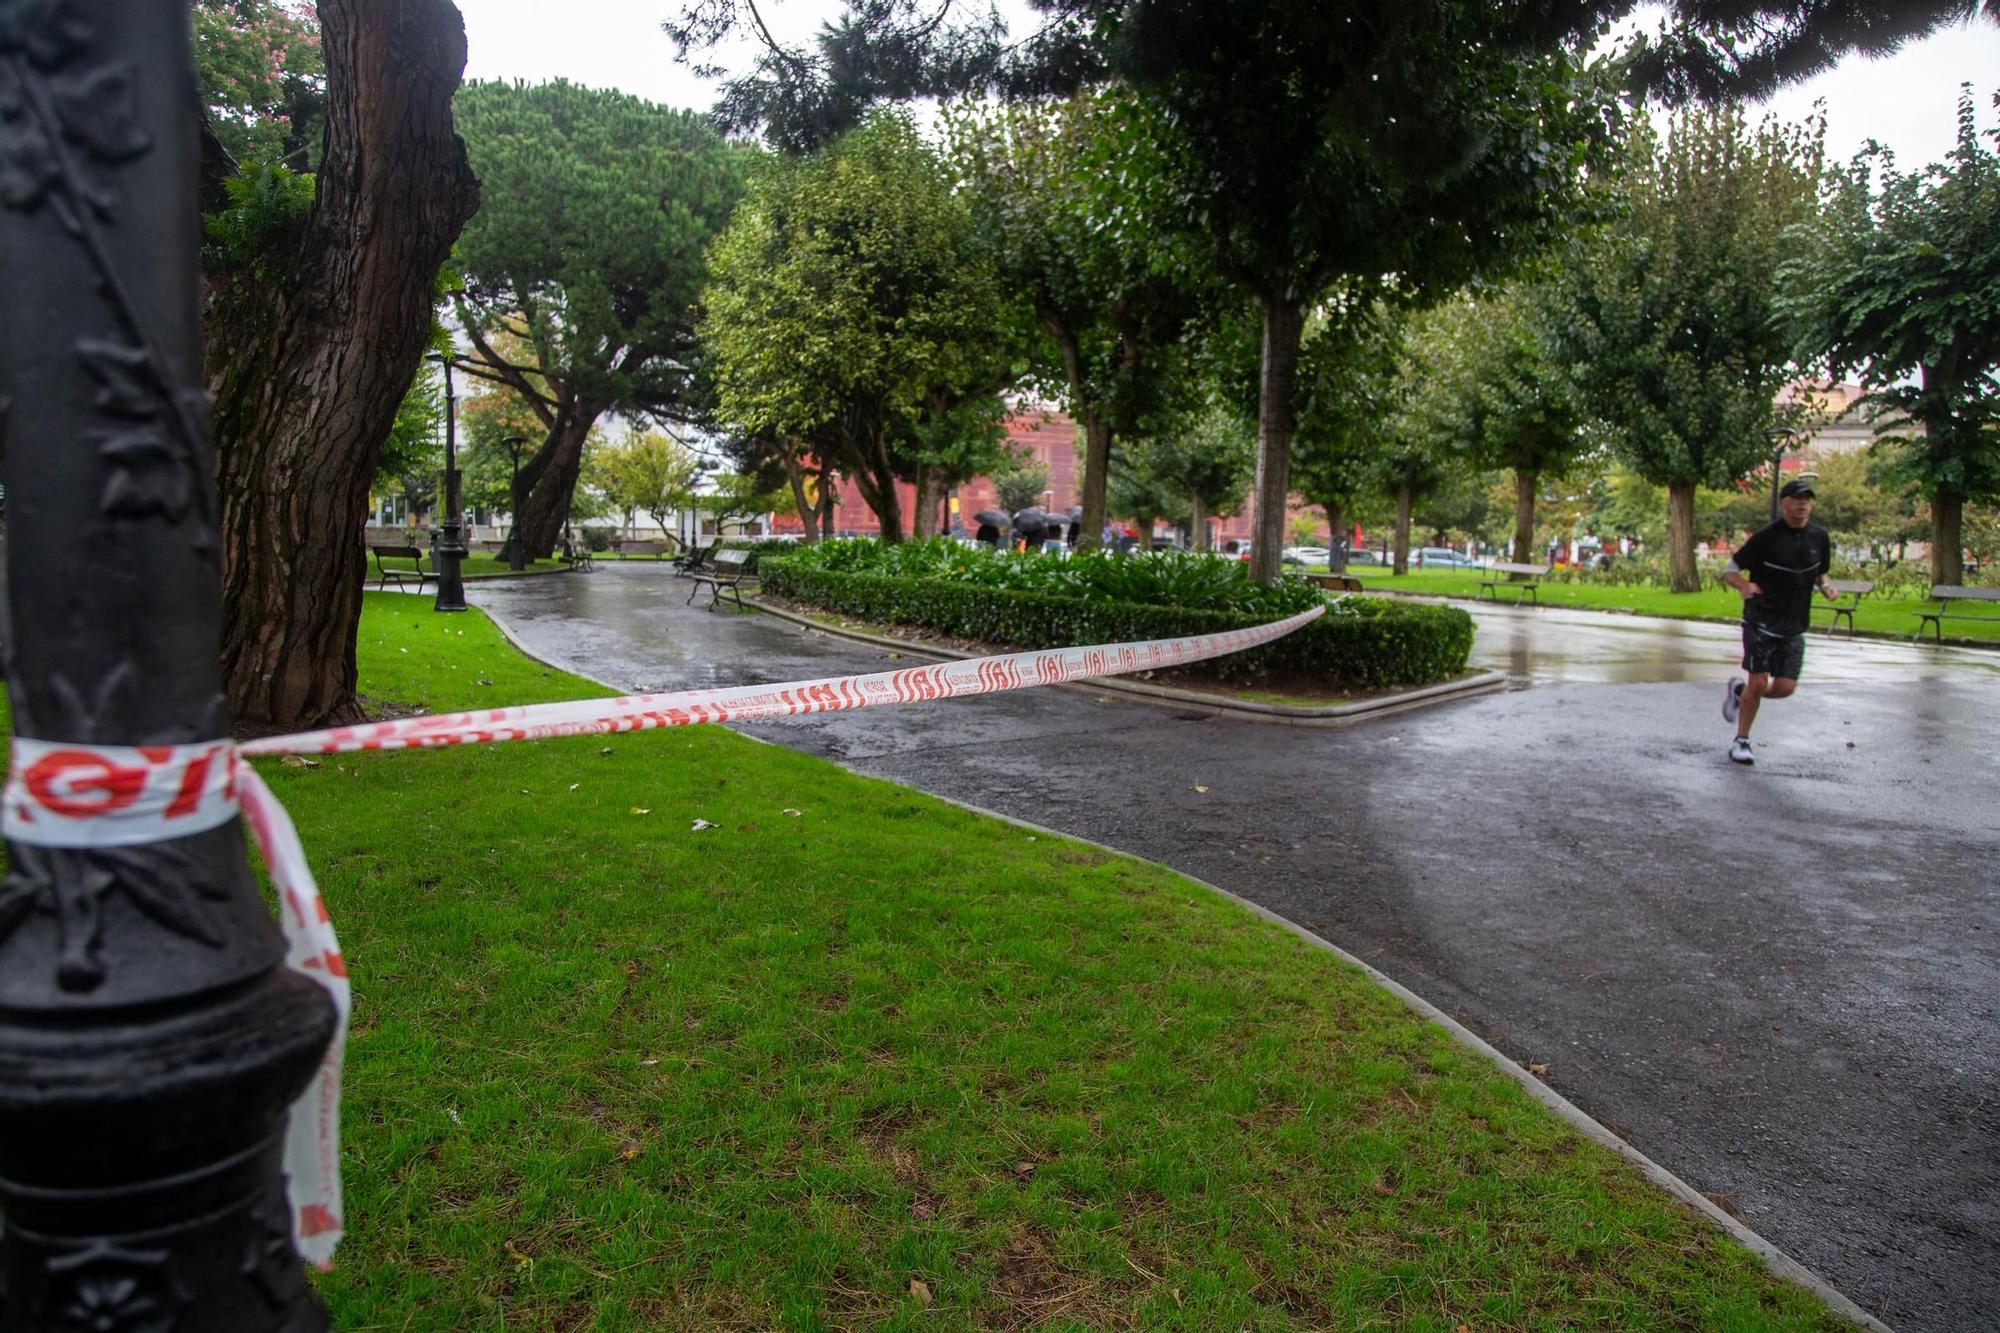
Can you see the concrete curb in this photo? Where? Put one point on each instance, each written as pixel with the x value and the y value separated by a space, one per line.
pixel 1338 715
pixel 1773 1258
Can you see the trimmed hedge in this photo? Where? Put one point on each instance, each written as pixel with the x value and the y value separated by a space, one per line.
pixel 1360 643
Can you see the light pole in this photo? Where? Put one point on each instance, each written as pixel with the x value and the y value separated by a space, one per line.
pixel 448 548
pixel 516 557
pixel 151 1036
pixel 1779 436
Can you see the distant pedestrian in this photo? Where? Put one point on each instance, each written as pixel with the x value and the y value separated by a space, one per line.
pixel 1776 571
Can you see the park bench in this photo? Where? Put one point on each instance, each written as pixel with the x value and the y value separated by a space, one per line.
pixel 652 548
pixel 1850 591
pixel 695 559
pixel 401 576
pixel 1958 603
pixel 578 557
pixel 1524 580
pixel 1334 582
pixel 726 574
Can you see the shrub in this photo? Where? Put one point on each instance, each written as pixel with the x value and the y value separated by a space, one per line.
pixel 597 538
pixel 1360 643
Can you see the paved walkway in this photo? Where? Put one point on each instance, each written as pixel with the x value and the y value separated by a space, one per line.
pixel 1783 984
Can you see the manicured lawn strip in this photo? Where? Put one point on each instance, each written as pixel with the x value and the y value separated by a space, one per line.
pixel 1893 618
pixel 611 1073
pixel 477 565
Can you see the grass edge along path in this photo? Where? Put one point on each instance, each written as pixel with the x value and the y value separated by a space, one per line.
pixel 1892 619
pixel 850 1057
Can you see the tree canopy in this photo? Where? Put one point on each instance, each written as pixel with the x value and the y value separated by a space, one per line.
pixel 1670 321
pixel 854 313
pixel 1901 280
pixel 583 271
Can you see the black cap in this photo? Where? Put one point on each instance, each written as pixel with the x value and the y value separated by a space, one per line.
pixel 1794 489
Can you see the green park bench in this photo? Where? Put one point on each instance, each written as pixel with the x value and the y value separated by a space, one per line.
pixel 1524 580
pixel 1850 591
pixel 1956 603
pixel 401 576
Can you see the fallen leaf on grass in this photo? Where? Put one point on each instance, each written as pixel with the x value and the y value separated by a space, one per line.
pixel 1024 1169
pixel 630 1152
pixel 574 785
pixel 701 824
pixel 641 810
pixel 789 811
pixel 921 1290
pixel 514 1253
pixel 605 750
pixel 299 761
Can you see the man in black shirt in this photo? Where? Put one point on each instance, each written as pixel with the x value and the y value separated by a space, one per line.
pixel 1776 571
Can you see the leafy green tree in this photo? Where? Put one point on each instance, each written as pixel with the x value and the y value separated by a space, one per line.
pixel 1349 392
pixel 320 308
pixel 854 312
pixel 1202 462
pixel 736 497
pixel 648 472
pixel 1670 317
pixel 1488 387
pixel 1069 196
pixel 413 456
pixel 583 272
pixel 1020 485
pixel 1902 281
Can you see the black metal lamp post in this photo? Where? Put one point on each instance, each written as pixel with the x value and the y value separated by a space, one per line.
pixel 1779 437
pixel 448 550
pixel 517 557
pixel 150 1037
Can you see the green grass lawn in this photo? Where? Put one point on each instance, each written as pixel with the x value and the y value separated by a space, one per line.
pixel 857 1059
pixel 1890 617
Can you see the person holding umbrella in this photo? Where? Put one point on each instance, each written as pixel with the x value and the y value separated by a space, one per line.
pixel 991 522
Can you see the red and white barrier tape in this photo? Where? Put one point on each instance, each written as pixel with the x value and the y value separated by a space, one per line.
pixel 67 795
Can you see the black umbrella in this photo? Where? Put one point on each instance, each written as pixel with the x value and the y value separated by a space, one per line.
pixel 1031 518
pixel 992 517
pixel 1073 513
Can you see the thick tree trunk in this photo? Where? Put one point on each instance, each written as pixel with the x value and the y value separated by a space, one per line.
pixel 549 479
pixel 1277 420
pixel 1336 537
pixel 1948 536
pixel 308 365
pixel 1096 478
pixel 1198 522
pixel 795 477
pixel 930 494
pixel 1682 576
pixel 1525 483
pixel 1403 501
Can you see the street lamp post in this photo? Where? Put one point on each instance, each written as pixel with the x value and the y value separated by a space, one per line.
pixel 516 557
pixel 448 548
pixel 151 1037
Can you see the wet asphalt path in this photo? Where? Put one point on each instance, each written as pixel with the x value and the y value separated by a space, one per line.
pixel 1780 983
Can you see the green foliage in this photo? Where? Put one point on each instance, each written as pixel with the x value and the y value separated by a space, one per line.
pixel 853 310
pixel 1198 462
pixel 262 79
pixel 413 455
pixel 1671 323
pixel 265 201
pixel 1901 281
pixel 1095 597
pixel 646 473
pixel 1020 485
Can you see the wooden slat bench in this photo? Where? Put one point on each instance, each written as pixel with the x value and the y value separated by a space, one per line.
pixel 1334 582
pixel 695 559
pixel 654 549
pixel 401 576
pixel 725 575
pixel 1851 592
pixel 1956 603
pixel 1524 580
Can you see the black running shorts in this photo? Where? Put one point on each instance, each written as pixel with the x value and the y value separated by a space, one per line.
pixel 1773 654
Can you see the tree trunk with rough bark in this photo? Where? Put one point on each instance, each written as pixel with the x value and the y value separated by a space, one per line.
pixel 1682 576
pixel 1525 483
pixel 310 359
pixel 1198 523
pixel 1096 479
pixel 1277 421
pixel 1336 537
pixel 1403 501
pixel 549 479
pixel 1948 536
pixel 923 509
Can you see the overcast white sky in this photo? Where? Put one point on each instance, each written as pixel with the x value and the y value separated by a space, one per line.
pixel 1908 101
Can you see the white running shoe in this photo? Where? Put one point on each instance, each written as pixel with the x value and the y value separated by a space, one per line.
pixel 1732 698
pixel 1739 752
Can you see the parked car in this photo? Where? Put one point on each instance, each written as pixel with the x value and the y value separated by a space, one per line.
pixel 1305 555
pixel 1365 555
pixel 1439 557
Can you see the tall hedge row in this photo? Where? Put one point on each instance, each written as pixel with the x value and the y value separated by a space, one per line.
pixel 1360 643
